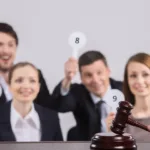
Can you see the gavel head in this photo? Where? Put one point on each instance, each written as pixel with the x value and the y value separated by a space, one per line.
pixel 123 112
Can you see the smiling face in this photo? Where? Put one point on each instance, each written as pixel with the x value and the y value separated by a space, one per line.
pixel 7 51
pixel 139 79
pixel 95 77
pixel 24 84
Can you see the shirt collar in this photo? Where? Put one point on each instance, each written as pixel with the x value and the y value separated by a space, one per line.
pixel 15 116
pixel 96 99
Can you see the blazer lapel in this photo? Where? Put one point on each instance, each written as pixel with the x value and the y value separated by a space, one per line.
pixel 116 84
pixel 2 97
pixel 46 124
pixel 93 122
pixel 5 125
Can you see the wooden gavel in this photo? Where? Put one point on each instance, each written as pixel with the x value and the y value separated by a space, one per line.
pixel 122 118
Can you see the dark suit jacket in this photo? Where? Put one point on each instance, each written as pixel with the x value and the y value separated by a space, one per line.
pixel 43 96
pixel 50 127
pixel 79 101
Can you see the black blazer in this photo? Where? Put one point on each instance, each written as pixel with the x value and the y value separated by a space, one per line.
pixel 50 127
pixel 79 101
pixel 43 96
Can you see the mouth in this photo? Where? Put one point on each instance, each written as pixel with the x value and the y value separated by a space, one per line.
pixel 141 89
pixel 5 58
pixel 95 86
pixel 26 93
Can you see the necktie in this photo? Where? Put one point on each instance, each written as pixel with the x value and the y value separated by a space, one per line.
pixel 102 110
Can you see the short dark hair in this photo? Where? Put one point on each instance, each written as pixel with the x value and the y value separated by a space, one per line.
pixel 142 58
pixel 20 65
pixel 8 29
pixel 91 56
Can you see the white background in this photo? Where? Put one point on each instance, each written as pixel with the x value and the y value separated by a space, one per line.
pixel 117 28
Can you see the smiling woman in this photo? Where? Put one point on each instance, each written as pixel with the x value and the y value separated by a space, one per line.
pixel 136 89
pixel 24 83
pixel 21 119
pixel 137 81
pixel 137 92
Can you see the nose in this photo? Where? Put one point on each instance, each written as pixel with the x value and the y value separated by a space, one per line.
pixel 25 85
pixel 140 79
pixel 6 49
pixel 95 78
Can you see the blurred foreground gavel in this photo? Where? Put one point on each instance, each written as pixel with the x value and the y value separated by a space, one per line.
pixel 122 118
pixel 118 140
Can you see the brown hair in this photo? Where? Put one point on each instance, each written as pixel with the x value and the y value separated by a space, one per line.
pixel 20 65
pixel 142 58
pixel 8 29
pixel 91 56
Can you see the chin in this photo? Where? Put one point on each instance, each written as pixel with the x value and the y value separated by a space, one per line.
pixel 143 94
pixel 5 69
pixel 26 99
pixel 99 94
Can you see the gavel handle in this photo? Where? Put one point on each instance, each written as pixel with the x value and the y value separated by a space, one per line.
pixel 137 124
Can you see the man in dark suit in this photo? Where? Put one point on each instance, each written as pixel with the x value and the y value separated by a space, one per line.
pixel 8 47
pixel 82 98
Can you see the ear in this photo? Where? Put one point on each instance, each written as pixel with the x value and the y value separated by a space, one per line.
pixel 109 71
pixel 81 77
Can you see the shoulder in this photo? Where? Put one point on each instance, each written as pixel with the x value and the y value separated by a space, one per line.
pixel 115 81
pixel 77 86
pixel 116 84
pixel 45 112
pixel 78 89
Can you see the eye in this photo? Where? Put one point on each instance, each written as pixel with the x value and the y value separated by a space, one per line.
pixel 133 76
pixel 19 80
pixel 99 72
pixel 32 81
pixel 145 74
pixel 88 75
pixel 11 44
pixel 1 44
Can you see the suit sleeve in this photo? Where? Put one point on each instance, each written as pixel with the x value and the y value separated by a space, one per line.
pixel 64 103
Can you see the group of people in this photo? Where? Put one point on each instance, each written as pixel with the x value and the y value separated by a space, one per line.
pixel 29 112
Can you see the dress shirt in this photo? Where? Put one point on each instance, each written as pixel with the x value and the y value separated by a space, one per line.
pixel 26 129
pixel 105 106
pixel 96 99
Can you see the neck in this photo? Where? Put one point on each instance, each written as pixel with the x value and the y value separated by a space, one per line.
pixel 142 107
pixel 22 108
pixel 4 75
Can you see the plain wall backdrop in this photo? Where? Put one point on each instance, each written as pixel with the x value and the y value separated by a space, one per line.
pixel 117 28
